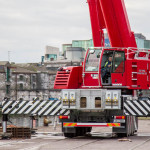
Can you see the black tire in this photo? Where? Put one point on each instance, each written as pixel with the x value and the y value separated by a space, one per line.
pixel 89 129
pixel 83 131
pixel 136 118
pixel 132 125
pixel 78 131
pixel 69 135
pixel 121 135
pixel 127 127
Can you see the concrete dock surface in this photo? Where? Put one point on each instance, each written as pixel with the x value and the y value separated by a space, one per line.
pixel 48 138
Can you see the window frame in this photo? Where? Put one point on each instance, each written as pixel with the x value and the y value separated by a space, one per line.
pixel 87 58
pixel 21 77
pixel 113 67
pixel 102 65
pixel 21 87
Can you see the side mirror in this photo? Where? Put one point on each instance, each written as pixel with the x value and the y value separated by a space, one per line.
pixel 92 51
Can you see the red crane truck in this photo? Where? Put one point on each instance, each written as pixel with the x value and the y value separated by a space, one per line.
pixel 104 91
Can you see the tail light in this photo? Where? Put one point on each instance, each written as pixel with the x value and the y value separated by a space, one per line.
pixel 64 117
pixel 120 117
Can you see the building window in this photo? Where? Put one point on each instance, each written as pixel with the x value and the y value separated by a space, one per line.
pixel 21 86
pixel 21 77
pixel 1 68
pixel 119 61
pixel 33 78
pixel 51 57
pixel 34 86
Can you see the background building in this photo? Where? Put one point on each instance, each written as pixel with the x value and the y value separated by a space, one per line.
pixel 64 48
pixel 75 53
pixel 141 41
pixel 27 82
pixel 85 44
pixel 5 79
pixel 51 54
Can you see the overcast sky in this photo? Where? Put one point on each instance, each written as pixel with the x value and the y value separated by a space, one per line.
pixel 27 26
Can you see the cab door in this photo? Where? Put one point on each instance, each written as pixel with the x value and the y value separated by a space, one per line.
pixel 118 73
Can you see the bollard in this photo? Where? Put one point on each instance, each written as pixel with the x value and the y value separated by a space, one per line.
pixel 55 122
pixel 31 122
pixel 5 119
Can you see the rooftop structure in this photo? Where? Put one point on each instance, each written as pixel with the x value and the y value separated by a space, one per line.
pixel 51 54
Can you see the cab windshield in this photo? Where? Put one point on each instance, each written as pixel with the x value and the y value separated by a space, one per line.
pixel 92 60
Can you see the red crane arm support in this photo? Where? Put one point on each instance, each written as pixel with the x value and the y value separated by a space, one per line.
pixel 117 23
pixel 97 23
pixel 112 15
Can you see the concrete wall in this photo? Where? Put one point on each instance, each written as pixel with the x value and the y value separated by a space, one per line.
pixel 33 85
pixel 2 79
pixel 2 86
pixel 43 81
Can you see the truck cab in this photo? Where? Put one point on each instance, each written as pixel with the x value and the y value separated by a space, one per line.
pixel 104 67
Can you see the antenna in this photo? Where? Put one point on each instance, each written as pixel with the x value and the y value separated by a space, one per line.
pixel 9 56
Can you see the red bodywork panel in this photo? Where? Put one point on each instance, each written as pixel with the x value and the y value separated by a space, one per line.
pixel 91 79
pixel 138 74
pixel 68 78
pixel 118 79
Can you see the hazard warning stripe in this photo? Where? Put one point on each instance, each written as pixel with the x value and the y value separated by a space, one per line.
pixel 137 107
pixel 113 124
pixel 91 124
pixel 39 107
pixel 69 124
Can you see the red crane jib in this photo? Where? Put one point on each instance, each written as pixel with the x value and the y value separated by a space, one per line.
pixel 97 23
pixel 112 16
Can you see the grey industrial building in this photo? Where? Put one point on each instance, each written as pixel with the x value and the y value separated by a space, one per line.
pixel 26 81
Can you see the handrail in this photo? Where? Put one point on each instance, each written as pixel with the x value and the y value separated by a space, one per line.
pixel 129 51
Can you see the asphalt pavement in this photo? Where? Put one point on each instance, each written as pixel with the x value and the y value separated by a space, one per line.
pixel 101 139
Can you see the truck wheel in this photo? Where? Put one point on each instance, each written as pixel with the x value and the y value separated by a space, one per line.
pixel 136 124
pixel 132 126
pixel 83 131
pixel 78 131
pixel 127 127
pixel 69 135
pixel 88 129
pixel 121 134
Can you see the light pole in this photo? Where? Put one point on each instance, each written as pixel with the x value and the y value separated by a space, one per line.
pixel 9 56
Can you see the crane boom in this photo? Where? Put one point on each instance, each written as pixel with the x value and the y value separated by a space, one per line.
pixel 112 16
pixel 97 23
